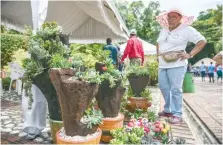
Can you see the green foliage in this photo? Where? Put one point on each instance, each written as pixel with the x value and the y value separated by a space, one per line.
pixel 122 136
pixel 90 76
pixel 9 44
pixel 46 51
pixel 142 18
pixel 89 54
pixel 137 70
pixel 92 117
pixel 151 116
pixel 153 71
pixel 58 61
pixel 146 94
pixel 208 24
pixel 6 82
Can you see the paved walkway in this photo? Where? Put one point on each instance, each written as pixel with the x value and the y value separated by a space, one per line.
pixel 206 103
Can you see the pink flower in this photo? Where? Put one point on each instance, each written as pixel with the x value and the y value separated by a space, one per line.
pixel 70 59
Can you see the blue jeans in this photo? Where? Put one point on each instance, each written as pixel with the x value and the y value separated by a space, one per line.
pixel 170 84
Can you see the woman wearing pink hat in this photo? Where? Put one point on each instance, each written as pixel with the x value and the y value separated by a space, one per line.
pixel 171 45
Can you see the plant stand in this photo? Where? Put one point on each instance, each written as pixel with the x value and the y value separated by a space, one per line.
pixel 110 124
pixel 74 97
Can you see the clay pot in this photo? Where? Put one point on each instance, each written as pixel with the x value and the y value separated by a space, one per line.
pixel 137 103
pixel 93 140
pixel 55 126
pixel 110 124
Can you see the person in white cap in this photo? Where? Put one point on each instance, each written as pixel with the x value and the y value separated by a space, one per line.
pixel 134 50
pixel 172 57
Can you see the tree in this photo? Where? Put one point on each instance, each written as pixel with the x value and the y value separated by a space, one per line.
pixel 142 18
pixel 208 24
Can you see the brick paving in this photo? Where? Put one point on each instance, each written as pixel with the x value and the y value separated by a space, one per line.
pixel 206 103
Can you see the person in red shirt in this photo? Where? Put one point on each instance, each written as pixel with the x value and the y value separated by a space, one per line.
pixel 134 50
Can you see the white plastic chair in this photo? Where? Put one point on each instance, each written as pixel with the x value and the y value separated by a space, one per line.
pixel 16 73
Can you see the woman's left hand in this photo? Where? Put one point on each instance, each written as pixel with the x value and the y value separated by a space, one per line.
pixel 184 56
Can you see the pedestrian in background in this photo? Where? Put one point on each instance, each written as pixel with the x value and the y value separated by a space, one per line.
pixel 203 71
pixel 211 68
pixel 134 50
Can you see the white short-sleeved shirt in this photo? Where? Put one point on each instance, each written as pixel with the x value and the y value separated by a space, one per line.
pixel 176 40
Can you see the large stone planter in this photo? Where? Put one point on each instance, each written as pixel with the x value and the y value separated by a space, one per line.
pixel 74 97
pixel 43 82
pixel 109 99
pixel 138 84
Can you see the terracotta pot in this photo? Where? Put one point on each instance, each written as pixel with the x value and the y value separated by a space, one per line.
pixel 138 84
pixel 110 124
pixel 137 103
pixel 94 140
pixel 55 126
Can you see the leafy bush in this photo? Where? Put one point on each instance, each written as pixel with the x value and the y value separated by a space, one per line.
pixel 11 43
pixel 153 72
pixel 6 82
pixel 146 94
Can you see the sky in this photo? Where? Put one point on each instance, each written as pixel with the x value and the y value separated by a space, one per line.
pixel 188 7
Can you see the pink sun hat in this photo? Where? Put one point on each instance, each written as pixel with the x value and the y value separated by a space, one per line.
pixel 162 18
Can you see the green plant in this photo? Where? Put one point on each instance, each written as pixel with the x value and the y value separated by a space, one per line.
pixel 146 94
pixel 92 117
pixel 46 51
pixel 58 61
pixel 90 76
pixel 6 82
pixel 125 136
pixel 153 71
pixel 151 115
pixel 137 70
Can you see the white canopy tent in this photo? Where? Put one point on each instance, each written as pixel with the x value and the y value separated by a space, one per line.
pixel 206 61
pixel 149 49
pixel 85 21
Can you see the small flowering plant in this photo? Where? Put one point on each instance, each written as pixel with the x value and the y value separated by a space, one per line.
pixel 161 131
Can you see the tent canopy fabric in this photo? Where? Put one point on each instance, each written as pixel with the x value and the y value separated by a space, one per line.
pixel 149 49
pixel 205 60
pixel 85 21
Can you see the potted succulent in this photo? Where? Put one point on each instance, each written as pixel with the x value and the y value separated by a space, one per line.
pixel 42 46
pixel 109 98
pixel 138 77
pixel 75 90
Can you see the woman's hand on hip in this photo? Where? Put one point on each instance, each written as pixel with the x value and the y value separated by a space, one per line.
pixel 184 56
